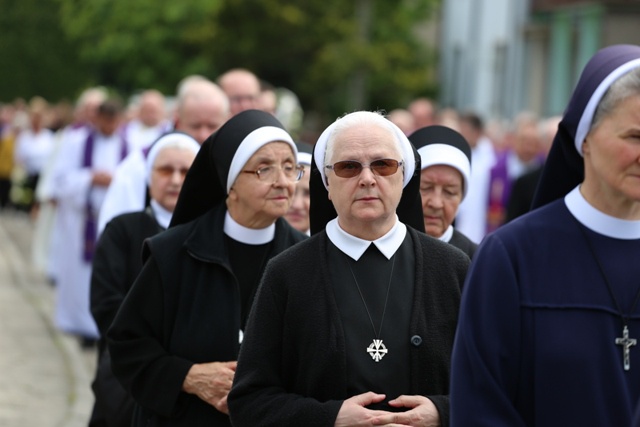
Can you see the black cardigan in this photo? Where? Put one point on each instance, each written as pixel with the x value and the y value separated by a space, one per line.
pixel 463 243
pixel 292 367
pixel 116 264
pixel 184 308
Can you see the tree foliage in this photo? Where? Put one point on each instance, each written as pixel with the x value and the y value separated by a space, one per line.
pixel 336 55
pixel 35 56
pixel 320 49
pixel 138 44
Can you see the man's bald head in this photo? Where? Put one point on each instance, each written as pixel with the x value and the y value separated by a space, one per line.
pixel 202 108
pixel 242 88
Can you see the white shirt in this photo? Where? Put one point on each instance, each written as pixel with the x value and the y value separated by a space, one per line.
pixel 34 149
pixel 355 247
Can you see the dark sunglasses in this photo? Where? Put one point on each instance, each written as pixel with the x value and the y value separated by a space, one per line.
pixel 351 168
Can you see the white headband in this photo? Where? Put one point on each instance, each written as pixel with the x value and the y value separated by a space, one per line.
pixel 445 154
pixel 180 139
pixel 304 159
pixel 587 115
pixel 252 143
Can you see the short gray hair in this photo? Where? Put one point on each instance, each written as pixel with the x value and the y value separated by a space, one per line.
pixel 360 118
pixel 626 86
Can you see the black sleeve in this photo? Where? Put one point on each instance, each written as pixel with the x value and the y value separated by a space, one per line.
pixel 259 395
pixel 137 342
pixel 109 278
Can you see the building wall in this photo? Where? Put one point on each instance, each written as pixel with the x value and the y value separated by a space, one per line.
pixel 501 57
pixel 482 56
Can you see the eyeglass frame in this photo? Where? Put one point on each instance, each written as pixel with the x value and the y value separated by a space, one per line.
pixel 299 168
pixel 363 166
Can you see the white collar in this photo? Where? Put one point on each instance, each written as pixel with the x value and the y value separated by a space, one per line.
pixel 447 235
pixel 163 216
pixel 598 221
pixel 355 247
pixel 249 236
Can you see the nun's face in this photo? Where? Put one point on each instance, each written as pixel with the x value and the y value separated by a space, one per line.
pixel 257 202
pixel 169 170
pixel 612 162
pixel 441 191
pixel 366 203
pixel 298 214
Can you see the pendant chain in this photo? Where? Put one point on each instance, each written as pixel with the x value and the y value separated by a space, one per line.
pixel 625 319
pixel 625 341
pixel 384 310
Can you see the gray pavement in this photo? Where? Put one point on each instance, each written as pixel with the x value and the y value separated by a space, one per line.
pixel 45 376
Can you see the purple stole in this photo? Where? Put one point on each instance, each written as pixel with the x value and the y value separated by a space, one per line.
pixel 91 220
pixel 499 192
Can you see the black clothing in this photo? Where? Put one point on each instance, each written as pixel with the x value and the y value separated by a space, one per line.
pixel 463 243
pixel 247 274
pixel 522 192
pixel 373 272
pixel 184 308
pixel 292 370
pixel 116 264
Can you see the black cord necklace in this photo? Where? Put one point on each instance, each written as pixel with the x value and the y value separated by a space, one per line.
pixel 377 350
pixel 623 341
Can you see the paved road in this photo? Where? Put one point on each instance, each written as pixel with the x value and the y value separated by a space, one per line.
pixel 44 375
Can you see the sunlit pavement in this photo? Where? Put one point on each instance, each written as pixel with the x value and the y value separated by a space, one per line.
pixel 45 376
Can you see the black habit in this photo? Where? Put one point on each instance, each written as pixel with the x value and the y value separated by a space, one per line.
pixel 292 369
pixel 116 264
pixel 463 243
pixel 184 308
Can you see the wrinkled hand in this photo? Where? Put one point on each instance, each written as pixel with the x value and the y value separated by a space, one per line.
pixel 423 413
pixel 353 411
pixel 101 179
pixel 211 382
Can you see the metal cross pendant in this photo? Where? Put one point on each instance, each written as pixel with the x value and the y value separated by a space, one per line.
pixel 626 344
pixel 377 350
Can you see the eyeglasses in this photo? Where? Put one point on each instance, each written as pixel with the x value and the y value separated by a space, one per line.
pixel 351 168
pixel 167 171
pixel 270 173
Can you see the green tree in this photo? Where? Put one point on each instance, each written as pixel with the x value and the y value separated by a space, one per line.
pixel 337 56
pixel 135 44
pixel 35 56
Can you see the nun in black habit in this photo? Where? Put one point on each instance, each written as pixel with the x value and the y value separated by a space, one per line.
pixel 357 322
pixel 176 337
pixel 117 262
pixel 444 182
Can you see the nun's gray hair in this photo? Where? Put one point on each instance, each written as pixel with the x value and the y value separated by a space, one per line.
pixel 360 118
pixel 626 86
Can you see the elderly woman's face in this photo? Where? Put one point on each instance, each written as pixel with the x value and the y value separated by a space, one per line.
pixel 258 202
pixel 366 203
pixel 167 176
pixel 441 191
pixel 612 157
pixel 298 214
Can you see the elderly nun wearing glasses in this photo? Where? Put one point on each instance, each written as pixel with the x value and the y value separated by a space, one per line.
pixel 367 338
pixel 176 338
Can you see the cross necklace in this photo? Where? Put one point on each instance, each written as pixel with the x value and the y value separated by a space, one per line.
pixel 377 350
pixel 623 341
